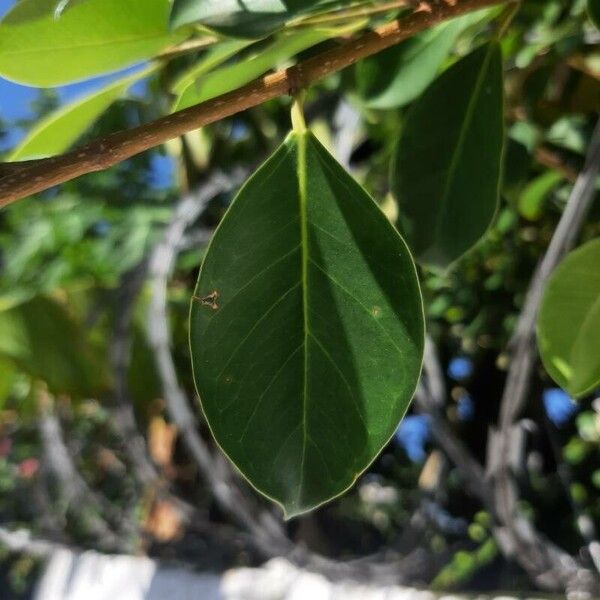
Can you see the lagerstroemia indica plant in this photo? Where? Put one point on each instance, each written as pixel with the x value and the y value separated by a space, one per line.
pixel 307 324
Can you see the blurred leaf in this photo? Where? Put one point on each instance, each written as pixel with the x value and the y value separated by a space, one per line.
pixel 232 76
pixel 568 325
pixel 47 343
pixel 533 197
pixel 213 57
pixel 320 328
pixel 446 167
pixel 92 37
pixel 248 19
pixel 60 129
pixel 400 74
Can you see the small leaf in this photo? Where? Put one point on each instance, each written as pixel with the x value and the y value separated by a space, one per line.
pixel 306 328
pixel 232 76
pixel 533 197
pixel 568 327
pixel 87 39
pixel 56 132
pixel 446 167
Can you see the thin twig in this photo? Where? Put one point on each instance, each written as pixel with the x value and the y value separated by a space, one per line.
pixel 31 177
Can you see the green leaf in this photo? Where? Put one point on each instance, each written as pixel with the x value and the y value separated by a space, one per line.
pixel 400 74
pixel 248 19
pixel 214 56
pixel 568 327
pixel 306 328
pixel 90 38
pixel 43 339
pixel 594 12
pixel 60 129
pixel 232 76
pixel 446 167
pixel 533 197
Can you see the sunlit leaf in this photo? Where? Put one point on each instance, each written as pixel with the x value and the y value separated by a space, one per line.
pixel 446 168
pixel 568 326
pixel 306 328
pixel 56 132
pixel 90 38
pixel 232 76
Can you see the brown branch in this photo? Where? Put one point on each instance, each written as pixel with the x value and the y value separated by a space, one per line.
pixel 103 153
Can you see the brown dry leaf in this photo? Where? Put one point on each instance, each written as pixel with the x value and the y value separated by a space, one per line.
pixel 164 521
pixel 161 441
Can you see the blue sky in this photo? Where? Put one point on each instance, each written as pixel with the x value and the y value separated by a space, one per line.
pixel 15 102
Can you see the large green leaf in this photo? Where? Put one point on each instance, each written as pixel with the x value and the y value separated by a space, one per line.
pixel 568 326
pixel 60 129
pixel 306 328
pixel 91 37
pixel 446 167
pixel 400 74
pixel 43 339
pixel 247 19
pixel 232 76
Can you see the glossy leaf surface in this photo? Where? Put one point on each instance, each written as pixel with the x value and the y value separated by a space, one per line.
pixel 446 167
pixel 306 329
pixel 88 38
pixel 569 321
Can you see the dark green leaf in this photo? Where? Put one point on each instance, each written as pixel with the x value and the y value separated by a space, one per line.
pixel 533 197
pixel 568 326
pixel 446 168
pixel 306 328
pixel 90 38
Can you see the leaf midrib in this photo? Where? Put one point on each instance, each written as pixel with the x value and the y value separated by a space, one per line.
pixel 302 200
pixel 89 45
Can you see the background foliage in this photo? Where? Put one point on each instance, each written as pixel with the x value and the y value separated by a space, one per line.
pixel 77 281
